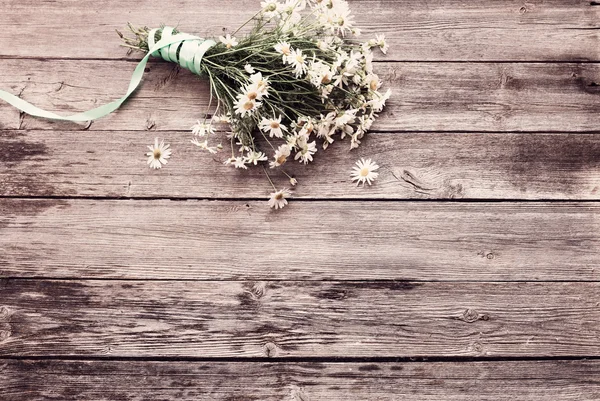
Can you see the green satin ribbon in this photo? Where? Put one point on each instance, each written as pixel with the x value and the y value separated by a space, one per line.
pixel 191 50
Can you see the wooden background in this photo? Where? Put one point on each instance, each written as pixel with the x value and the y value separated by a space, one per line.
pixel 469 271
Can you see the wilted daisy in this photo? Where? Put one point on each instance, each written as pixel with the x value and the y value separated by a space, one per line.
pixel 273 127
pixel 364 171
pixel 278 199
pixel 158 155
pixel 229 41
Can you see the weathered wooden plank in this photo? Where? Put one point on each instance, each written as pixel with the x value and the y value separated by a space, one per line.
pixel 309 240
pixel 416 30
pixel 414 166
pixel 427 96
pixel 298 319
pixel 470 381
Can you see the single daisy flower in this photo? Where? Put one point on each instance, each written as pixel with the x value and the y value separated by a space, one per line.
pixel 283 48
pixel 255 157
pixel 229 41
pixel 249 69
pixel 364 171
pixel 201 129
pixel 278 199
pixel 381 42
pixel 237 162
pixel 281 155
pixel 158 155
pixel 204 145
pixel 307 150
pixel 298 61
pixel 271 8
pixel 246 105
pixel 273 127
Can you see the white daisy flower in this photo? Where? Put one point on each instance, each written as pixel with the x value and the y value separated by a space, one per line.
pixel 273 127
pixel 372 82
pixel 281 155
pixel 221 119
pixel 381 42
pixel 237 162
pixel 271 8
pixel 201 129
pixel 246 105
pixel 364 171
pixel 158 155
pixel 378 102
pixel 306 149
pixel 278 199
pixel 255 157
pixel 229 41
pixel 204 145
pixel 298 61
pixel 283 48
pixel 249 69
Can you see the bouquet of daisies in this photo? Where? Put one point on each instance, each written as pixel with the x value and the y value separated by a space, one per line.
pixel 296 81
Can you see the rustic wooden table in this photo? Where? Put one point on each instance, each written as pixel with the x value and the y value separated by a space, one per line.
pixel 469 271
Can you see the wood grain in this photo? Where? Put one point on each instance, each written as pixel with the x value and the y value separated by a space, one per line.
pixel 416 29
pixel 469 381
pixel 162 239
pixel 413 166
pixel 298 319
pixel 426 96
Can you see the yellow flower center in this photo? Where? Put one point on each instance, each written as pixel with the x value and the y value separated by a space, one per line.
pixel 279 196
pixel 252 95
pixel 281 159
pixel 274 124
pixel 248 106
pixel 300 59
pixel 228 45
pixel 286 50
pixel 364 172
pixel 325 80
pixel 374 84
pixel 157 153
pixel 271 7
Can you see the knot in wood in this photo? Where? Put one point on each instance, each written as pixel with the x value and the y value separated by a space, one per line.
pixel 4 314
pixel 470 316
pixel 270 350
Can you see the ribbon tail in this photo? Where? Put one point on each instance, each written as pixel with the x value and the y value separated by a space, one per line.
pixel 105 109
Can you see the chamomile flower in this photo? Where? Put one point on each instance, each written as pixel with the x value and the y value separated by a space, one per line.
pixel 284 48
pixel 372 82
pixel 278 199
pixel 249 69
pixel 245 105
pixel 306 149
pixel 273 127
pixel 204 145
pixel 255 157
pixel 158 155
pixel 382 43
pixel 281 155
pixel 378 102
pixel 237 162
pixel 201 129
pixel 271 8
pixel 298 61
pixel 229 41
pixel 364 171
